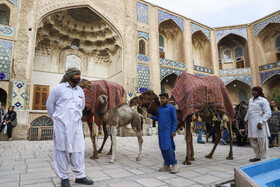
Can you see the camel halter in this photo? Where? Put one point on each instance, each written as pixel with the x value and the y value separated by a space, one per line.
pixel 146 101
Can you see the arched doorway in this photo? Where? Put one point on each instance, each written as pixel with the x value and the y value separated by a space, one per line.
pixel 41 129
pixel 168 83
pixel 239 91
pixel 3 98
pixel 171 41
pixel 202 55
pixel 233 52
pixel 77 37
pixel 271 84
pixel 267 41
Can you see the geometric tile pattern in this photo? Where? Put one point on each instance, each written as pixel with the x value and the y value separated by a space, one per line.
pixel 143 58
pixel 269 66
pixel 164 16
pixel 5 59
pixel 142 12
pixel 203 69
pixel 195 27
pixel 5 30
pixel 14 2
pixel 235 71
pixel 243 78
pixel 238 52
pixel 266 75
pixel 164 72
pixel 142 34
pixel 143 78
pixel 222 33
pixel 172 63
pixel 129 96
pixel 200 75
pixel 18 97
pixel 259 27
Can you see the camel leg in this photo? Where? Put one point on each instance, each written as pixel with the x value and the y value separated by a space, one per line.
pixel 192 150
pixel 114 143
pixel 218 137
pixel 105 139
pixel 188 142
pixel 92 137
pixel 230 155
pixel 140 142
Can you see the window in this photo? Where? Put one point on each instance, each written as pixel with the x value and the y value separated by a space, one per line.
pixel 4 14
pixel 142 47
pixel 40 96
pixel 240 64
pixel 238 52
pixel 161 55
pixel 161 41
pixel 220 66
pixel 227 56
pixel 277 42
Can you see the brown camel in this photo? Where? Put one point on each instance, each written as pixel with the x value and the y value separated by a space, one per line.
pixel 120 116
pixel 150 101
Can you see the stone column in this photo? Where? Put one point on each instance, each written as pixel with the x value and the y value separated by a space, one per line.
pixel 215 56
pixel 154 50
pixel 252 49
pixel 188 46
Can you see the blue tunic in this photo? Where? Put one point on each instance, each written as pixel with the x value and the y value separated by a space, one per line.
pixel 167 123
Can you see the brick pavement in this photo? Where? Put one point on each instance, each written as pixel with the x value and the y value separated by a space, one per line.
pixel 26 163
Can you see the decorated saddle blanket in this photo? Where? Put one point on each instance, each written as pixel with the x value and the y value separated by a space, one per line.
pixel 193 93
pixel 114 91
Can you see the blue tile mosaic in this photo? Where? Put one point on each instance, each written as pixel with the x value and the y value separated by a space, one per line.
pixel 259 27
pixel 200 75
pixel 143 58
pixel 164 72
pixel 5 59
pixel 172 63
pixel 143 78
pixel 238 59
pixel 18 97
pixel 15 2
pixel 195 28
pixel 161 50
pixel 164 16
pixel 266 75
pixel 129 96
pixel 142 12
pixel 222 33
pixel 5 30
pixel 235 71
pixel 203 69
pixel 269 66
pixel 243 78
pixel 143 34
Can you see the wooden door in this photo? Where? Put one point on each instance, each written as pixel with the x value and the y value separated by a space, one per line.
pixel 40 96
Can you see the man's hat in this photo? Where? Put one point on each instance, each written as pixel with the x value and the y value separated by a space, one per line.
pixel 164 95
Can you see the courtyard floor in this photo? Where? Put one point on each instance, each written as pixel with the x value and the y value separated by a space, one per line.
pixel 29 163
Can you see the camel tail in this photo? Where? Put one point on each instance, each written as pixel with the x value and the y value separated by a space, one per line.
pixel 141 121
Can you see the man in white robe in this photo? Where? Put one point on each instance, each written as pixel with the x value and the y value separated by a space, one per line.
pixel 257 115
pixel 65 106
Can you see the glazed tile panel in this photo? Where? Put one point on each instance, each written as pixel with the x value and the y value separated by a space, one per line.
pixel 143 78
pixel 142 12
pixel 19 92
pixel 5 59
pixel 164 16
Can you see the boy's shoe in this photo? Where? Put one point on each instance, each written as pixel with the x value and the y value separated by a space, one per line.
pixel 174 168
pixel 164 168
pixel 275 144
pixel 223 141
pixel 254 159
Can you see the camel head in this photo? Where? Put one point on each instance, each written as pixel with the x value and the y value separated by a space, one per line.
pixel 85 84
pixel 134 101
pixel 103 99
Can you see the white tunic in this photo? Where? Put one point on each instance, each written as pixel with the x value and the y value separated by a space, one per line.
pixel 65 106
pixel 258 112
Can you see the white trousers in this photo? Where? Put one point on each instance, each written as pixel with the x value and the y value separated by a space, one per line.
pixel 61 161
pixel 260 147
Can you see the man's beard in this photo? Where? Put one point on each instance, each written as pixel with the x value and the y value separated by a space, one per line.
pixel 75 80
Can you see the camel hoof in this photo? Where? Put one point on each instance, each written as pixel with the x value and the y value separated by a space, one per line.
pixel 110 153
pixel 192 159
pixel 138 158
pixel 187 163
pixel 230 158
pixel 94 157
pixel 99 151
pixel 208 156
pixel 112 161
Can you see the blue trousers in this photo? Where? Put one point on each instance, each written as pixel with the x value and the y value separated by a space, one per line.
pixel 169 156
pixel 225 135
pixel 272 138
pixel 199 138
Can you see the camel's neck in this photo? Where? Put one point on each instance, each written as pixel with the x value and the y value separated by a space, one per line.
pixel 103 110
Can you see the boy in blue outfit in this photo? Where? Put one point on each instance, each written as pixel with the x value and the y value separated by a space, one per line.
pixel 167 125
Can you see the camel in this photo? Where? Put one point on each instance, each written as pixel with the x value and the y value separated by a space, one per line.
pixel 150 101
pixel 98 87
pixel 120 116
